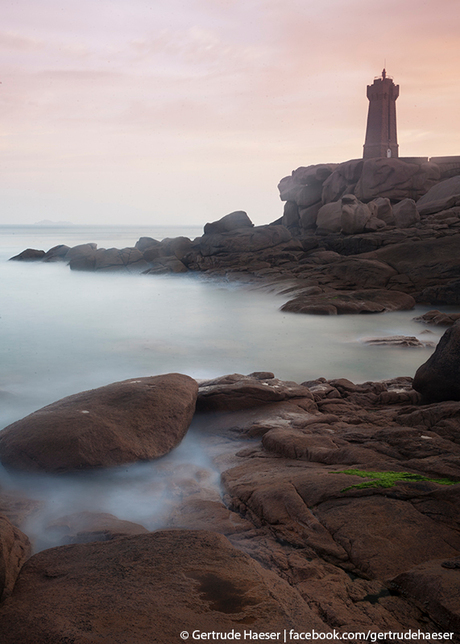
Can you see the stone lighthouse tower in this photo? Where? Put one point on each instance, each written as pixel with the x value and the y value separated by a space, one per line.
pixel 381 140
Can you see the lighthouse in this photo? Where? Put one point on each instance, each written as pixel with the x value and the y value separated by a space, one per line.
pixel 381 138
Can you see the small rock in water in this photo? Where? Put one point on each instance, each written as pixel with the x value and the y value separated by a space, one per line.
pixel 398 341
pixel 29 255
pixel 438 318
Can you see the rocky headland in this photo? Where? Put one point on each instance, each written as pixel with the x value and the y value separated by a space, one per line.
pixel 338 506
pixel 364 236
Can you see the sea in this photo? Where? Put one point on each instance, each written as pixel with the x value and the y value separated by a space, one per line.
pixel 65 331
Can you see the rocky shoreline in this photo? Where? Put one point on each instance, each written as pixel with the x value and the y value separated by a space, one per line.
pixel 339 511
pixel 338 506
pixel 364 236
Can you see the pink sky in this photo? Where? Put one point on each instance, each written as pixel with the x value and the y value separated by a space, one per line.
pixel 180 111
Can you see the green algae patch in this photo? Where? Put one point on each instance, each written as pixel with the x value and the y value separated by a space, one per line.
pixel 388 479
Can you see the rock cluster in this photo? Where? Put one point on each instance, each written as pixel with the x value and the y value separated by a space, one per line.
pixel 439 318
pixel 365 195
pixel 363 236
pixel 339 511
pixel 340 501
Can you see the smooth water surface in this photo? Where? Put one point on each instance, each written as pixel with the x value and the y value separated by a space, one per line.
pixel 63 332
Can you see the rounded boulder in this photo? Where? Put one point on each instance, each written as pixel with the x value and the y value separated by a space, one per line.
pixel 438 378
pixel 124 422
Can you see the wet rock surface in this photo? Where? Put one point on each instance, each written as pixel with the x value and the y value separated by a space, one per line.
pixel 340 507
pixel 148 588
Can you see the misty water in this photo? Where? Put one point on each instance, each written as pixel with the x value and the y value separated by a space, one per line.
pixel 64 332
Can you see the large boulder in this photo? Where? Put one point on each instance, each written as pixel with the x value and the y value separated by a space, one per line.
pixel 439 377
pixel 354 272
pixel 304 186
pixel 15 548
pixel 428 262
pixel 124 422
pixel 146 242
pixel 149 588
pixel 232 221
pixel 82 257
pixel 290 217
pixel 235 392
pixel 29 255
pixel 346 302
pixel 442 196
pixel 405 213
pixel 381 209
pixel 448 293
pixel 82 250
pixel 129 260
pixel 56 254
pixel 244 240
pixel 165 266
pixel 176 246
pixel 395 179
pixel 342 181
pixel 329 217
pixel 308 216
pixel 355 215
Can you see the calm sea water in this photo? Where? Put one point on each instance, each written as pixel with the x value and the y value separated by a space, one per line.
pixel 64 332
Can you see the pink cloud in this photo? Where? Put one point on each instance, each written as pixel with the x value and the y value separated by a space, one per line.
pixel 253 87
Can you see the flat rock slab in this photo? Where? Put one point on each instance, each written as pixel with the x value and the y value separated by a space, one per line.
pixel 236 391
pixel 310 506
pixel 435 584
pixel 148 588
pixel 345 302
pixel 426 263
pixel 398 341
pixel 82 527
pixel 442 196
pixel 382 535
pixel 125 422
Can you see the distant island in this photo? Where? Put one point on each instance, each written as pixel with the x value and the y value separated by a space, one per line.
pixel 48 222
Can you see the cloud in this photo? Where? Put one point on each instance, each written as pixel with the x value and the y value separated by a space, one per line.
pixel 17 42
pixel 226 88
